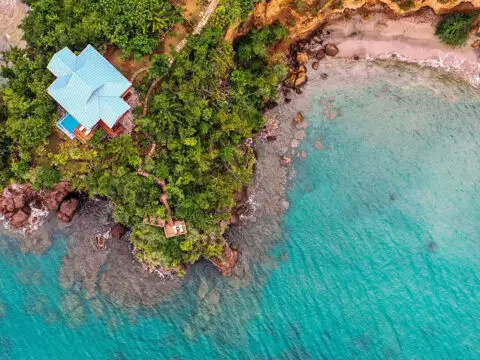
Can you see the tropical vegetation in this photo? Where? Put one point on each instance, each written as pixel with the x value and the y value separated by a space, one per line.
pixel 206 105
pixel 454 28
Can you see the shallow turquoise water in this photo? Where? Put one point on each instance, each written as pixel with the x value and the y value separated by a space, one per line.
pixel 379 257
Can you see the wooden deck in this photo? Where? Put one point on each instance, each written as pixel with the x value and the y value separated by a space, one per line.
pixel 123 125
pixel 176 229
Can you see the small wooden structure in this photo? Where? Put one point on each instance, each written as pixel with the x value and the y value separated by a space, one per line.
pixel 175 229
pixel 171 228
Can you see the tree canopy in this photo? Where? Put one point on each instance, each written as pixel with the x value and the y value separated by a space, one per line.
pixel 207 104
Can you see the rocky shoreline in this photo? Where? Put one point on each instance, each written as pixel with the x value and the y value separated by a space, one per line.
pixel 260 206
pixel 24 208
pixel 378 37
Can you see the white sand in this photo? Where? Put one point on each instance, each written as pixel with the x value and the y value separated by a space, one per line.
pixel 11 15
pixel 409 39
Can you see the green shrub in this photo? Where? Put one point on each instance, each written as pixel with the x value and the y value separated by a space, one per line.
pixel 454 28
pixel 46 177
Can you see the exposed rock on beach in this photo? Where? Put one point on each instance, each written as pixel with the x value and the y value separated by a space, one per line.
pixel 22 207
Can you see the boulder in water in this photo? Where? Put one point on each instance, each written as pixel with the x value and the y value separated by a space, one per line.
pixel 302 58
pixel 20 218
pixel 320 54
pixel 117 231
pixel 302 155
pixel 297 78
pixel 331 50
pixel 67 210
pixel 53 198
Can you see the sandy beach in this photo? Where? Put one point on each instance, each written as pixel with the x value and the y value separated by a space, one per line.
pixel 410 39
pixel 11 15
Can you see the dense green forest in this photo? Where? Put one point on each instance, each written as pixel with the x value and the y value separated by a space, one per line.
pixel 207 104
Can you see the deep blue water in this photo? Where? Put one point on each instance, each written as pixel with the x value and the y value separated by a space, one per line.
pixel 379 256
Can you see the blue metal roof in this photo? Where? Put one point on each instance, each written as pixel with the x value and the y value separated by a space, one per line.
pixel 88 87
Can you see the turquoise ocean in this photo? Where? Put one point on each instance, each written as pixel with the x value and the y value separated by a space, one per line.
pixel 378 256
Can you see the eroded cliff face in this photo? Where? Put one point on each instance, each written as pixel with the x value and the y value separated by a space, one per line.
pixel 302 17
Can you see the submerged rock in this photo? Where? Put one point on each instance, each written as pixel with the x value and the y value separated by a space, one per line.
pixel 302 155
pixel 432 247
pixel 299 118
pixel 297 78
pixel 299 135
pixel 299 122
pixel 285 160
pixel 319 145
pixel 73 310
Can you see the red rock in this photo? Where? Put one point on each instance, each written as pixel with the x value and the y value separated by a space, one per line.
pixel 320 54
pixel 53 198
pixel 226 265
pixel 67 210
pixel 117 231
pixel 6 204
pixel 19 219
pixel 331 50
pixel 16 197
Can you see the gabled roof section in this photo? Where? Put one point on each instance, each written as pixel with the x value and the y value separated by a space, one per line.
pixel 88 87
pixel 62 63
